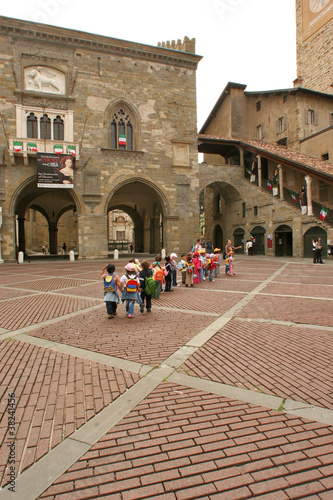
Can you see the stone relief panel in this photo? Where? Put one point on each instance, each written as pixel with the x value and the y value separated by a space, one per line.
pixel 44 79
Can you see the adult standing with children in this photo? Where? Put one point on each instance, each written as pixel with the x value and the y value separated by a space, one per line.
pixel 230 248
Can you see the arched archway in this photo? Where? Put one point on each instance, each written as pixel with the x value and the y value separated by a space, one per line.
pixel 146 206
pixel 258 235
pixel 315 232
pixel 283 241
pixel 51 203
pixel 221 198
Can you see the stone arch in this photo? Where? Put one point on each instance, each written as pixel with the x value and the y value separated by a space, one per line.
pixel 283 236
pixel 258 235
pixel 309 235
pixel 51 203
pixel 147 206
pixel 111 108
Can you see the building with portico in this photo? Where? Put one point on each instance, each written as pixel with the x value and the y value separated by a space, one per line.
pixel 117 109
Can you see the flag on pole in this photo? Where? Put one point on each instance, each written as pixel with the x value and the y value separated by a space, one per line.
pixel 71 150
pixel 32 146
pixel 323 213
pixel 18 146
pixel 122 140
pixel 58 149
pixel 269 184
pixel 293 197
pixel 248 171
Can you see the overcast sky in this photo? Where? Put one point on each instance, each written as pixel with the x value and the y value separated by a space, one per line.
pixel 244 41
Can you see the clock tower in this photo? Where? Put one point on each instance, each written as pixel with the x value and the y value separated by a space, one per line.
pixel 314 20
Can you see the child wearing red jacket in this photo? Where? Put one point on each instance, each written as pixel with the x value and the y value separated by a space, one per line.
pixel 211 267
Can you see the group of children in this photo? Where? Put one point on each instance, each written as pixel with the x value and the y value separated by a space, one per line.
pixel 142 282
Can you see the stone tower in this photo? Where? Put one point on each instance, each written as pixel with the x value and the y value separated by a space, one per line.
pixel 314 20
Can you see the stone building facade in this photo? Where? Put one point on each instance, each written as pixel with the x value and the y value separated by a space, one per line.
pixel 314 24
pixel 127 112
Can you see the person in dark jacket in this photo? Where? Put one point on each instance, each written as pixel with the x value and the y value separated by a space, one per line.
pixel 146 299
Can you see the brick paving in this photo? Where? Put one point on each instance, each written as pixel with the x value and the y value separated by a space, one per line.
pixel 185 444
pixel 174 441
pixel 56 395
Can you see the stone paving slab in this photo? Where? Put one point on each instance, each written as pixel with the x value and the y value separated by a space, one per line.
pixel 28 310
pixel 55 394
pixel 279 360
pixel 180 444
pixel 297 310
pixel 147 339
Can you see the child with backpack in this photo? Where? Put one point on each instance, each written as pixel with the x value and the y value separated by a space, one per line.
pixel 131 285
pixel 147 285
pixel 189 271
pixel 217 262
pixel 182 267
pixel 211 267
pixel 158 278
pixel 111 284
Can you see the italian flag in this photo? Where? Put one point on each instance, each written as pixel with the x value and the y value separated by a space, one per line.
pixel 323 213
pixel 32 146
pixel 248 171
pixel 58 149
pixel 18 146
pixel 269 184
pixel 71 150
pixel 293 197
pixel 122 140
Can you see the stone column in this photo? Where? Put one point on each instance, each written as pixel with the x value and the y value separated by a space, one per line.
pixel 280 169
pixel 308 180
pixel 92 236
pixel 241 157
pixel 21 234
pixel 53 238
pixel 259 171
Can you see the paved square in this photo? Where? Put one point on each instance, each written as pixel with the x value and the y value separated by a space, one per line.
pixel 223 391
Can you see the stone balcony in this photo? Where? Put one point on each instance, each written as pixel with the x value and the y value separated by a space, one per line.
pixel 28 149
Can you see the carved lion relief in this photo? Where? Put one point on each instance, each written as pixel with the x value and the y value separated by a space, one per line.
pixel 44 79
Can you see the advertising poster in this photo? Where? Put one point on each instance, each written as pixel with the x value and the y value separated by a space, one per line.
pixel 55 171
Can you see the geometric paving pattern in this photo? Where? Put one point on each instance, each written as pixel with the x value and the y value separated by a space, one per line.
pixel 184 444
pixel 55 395
pixel 290 363
pixel 127 431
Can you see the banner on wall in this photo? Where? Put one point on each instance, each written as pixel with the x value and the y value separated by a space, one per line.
pixel 55 171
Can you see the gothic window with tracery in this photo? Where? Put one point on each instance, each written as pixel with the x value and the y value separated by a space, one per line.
pixel 45 127
pixel 58 129
pixel 121 131
pixel 32 126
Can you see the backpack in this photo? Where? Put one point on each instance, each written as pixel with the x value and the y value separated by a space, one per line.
pixel 159 275
pixel 224 256
pixel 109 284
pixel 150 285
pixel 189 268
pixel 131 285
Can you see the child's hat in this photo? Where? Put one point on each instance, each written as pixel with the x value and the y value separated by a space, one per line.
pixel 212 255
pixel 173 255
pixel 231 253
pixel 217 250
pixel 130 267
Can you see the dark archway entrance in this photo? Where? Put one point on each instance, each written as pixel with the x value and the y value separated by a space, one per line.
pixel 315 232
pixel 283 241
pixel 52 204
pixel 144 204
pixel 239 239
pixel 258 235
pixel 218 237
